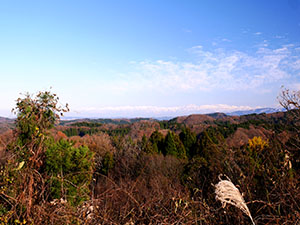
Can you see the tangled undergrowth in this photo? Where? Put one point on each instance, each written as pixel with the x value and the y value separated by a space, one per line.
pixel 163 179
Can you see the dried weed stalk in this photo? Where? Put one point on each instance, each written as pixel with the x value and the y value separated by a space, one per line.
pixel 226 192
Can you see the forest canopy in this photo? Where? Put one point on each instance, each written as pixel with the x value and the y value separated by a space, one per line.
pixel 147 171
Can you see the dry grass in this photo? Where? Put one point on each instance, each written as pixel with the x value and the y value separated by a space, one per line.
pixel 226 192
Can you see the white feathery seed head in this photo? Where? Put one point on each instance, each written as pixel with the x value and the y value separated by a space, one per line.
pixel 226 192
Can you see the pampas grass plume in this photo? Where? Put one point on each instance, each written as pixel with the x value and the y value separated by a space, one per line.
pixel 226 192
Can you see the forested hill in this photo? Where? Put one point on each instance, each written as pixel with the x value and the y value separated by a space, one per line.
pixel 236 130
pixel 104 121
pixel 152 171
pixel 6 124
pixel 196 122
pixel 5 120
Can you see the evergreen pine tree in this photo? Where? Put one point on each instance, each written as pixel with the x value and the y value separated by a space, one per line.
pixel 188 139
pixel 170 145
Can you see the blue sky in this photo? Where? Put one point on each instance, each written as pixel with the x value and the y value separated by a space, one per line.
pixel 150 58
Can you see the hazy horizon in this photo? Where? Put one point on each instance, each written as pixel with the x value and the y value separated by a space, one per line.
pixel 169 113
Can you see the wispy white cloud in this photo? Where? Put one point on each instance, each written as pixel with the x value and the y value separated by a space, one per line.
pixel 279 36
pixel 214 43
pixel 264 44
pixel 216 69
pixel 226 40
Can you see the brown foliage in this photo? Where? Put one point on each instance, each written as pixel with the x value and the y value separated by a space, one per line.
pixel 99 143
pixel 242 135
pixel 151 194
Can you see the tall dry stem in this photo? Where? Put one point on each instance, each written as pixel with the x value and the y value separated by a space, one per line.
pixel 226 192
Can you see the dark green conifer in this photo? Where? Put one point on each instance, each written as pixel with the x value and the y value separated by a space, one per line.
pixel 188 138
pixel 157 140
pixel 170 145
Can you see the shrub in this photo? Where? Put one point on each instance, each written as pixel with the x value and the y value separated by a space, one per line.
pixel 70 171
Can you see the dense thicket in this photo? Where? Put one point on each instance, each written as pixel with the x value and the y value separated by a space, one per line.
pixel 147 172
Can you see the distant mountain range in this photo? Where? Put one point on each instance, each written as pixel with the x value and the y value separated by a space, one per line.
pixel 5 120
pixel 255 111
pixel 221 115
pixel 216 115
pixel 6 124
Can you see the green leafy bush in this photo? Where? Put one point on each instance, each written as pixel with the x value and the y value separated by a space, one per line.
pixel 70 171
